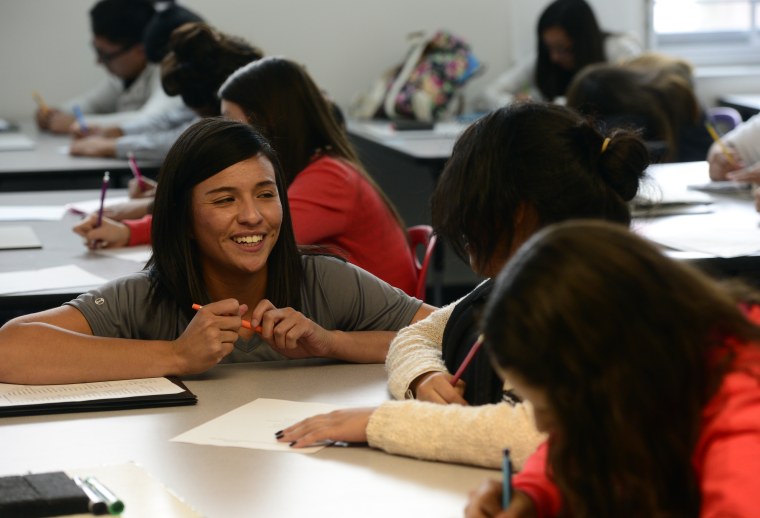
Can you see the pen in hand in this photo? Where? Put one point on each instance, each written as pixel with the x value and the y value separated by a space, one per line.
pixel 723 148
pixel 103 189
pixel 80 119
pixel 467 360
pixel 136 171
pixel 506 472
pixel 245 323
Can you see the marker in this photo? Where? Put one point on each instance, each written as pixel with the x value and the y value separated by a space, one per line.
pixel 103 189
pixel 467 360
pixel 724 149
pixel 80 119
pixel 245 323
pixel 97 505
pixel 136 171
pixel 113 504
pixel 506 473
pixel 41 104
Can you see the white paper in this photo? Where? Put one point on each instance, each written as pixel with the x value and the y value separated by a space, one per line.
pixel 138 254
pixel 32 213
pixel 69 276
pixel 15 142
pixel 13 395
pixel 253 425
pixel 18 237
pixel 90 206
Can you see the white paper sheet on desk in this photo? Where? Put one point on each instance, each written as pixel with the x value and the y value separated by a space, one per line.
pixel 90 206
pixel 15 142
pixel 718 234
pixel 253 425
pixel 69 276
pixel 138 254
pixel 32 213
pixel 13 395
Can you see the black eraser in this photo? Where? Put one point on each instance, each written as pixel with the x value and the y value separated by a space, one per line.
pixel 40 495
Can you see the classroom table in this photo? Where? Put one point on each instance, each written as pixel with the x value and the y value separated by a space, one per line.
pixel 48 165
pixel 60 246
pixel 698 238
pixel 746 104
pixel 229 482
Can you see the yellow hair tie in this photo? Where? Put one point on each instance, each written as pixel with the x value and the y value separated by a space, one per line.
pixel 605 144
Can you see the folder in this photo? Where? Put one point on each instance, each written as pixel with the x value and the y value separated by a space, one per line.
pixel 18 400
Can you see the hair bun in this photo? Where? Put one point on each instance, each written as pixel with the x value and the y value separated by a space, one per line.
pixel 623 162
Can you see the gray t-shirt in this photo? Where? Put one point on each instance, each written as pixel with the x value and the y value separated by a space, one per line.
pixel 335 295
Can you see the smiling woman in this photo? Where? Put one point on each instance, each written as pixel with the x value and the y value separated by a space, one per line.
pixel 223 238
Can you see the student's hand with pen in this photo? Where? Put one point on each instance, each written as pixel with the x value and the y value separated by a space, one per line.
pixel 132 209
pixel 54 120
pixel 210 336
pixel 485 501
pixel 107 131
pixel 110 233
pixel 93 145
pixel 436 388
pixel 720 164
pixel 143 188
pixel 290 332
pixel 348 425
pixel 746 174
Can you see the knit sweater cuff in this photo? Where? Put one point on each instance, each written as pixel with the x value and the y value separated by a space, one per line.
pixel 139 230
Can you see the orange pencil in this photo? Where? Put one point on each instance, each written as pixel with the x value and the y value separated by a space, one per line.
pixel 723 147
pixel 41 104
pixel 245 323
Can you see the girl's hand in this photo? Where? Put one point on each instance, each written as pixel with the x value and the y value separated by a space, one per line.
pixel 110 233
pixel 210 336
pixel 436 387
pixel 485 501
pixel 289 332
pixel 349 425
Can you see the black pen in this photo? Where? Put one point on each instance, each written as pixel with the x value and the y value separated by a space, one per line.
pixel 113 504
pixel 96 505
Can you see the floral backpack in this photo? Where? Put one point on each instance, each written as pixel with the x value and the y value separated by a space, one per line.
pixel 423 87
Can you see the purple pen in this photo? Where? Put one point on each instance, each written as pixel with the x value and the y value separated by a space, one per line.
pixel 103 189
pixel 136 171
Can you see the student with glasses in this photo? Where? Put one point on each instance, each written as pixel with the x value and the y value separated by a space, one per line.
pixel 569 38
pixel 133 87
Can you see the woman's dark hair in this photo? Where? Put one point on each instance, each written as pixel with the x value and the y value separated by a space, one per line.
pixel 160 28
pixel 121 21
pixel 577 19
pixel 280 99
pixel 203 150
pixel 658 100
pixel 629 346
pixel 200 58
pixel 544 156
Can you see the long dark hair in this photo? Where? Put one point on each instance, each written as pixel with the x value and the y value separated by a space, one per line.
pixel 203 150
pixel 577 19
pixel 621 339
pixel 542 155
pixel 283 102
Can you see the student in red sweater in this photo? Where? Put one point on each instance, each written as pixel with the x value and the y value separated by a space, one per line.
pixel 644 372
pixel 333 200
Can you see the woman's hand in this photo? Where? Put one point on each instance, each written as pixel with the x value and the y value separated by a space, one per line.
pixel 289 332
pixel 349 425
pixel 747 174
pixel 436 387
pixel 132 209
pixel 93 145
pixel 485 501
pixel 210 336
pixel 720 165
pixel 146 190
pixel 110 233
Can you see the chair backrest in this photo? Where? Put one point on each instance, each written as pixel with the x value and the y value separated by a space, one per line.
pixel 421 236
pixel 724 118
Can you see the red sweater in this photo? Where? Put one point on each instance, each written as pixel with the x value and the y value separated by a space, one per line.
pixel 332 204
pixel 726 458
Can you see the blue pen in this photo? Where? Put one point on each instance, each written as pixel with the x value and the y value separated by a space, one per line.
pixel 80 118
pixel 506 471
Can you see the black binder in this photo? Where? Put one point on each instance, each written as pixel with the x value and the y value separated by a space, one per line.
pixel 123 403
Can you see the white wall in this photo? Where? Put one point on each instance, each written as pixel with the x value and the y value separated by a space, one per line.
pixel 346 44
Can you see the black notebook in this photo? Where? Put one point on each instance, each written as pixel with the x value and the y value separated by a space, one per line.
pixel 42 494
pixel 18 400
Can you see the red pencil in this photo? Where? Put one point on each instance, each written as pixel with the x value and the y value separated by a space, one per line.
pixel 467 360
pixel 245 323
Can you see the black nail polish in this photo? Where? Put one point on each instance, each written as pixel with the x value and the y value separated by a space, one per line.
pixel 292 443
pixel 279 434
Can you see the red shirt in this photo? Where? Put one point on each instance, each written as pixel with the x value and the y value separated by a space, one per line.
pixel 727 455
pixel 333 204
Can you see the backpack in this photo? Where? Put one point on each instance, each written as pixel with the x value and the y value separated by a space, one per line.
pixel 435 70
